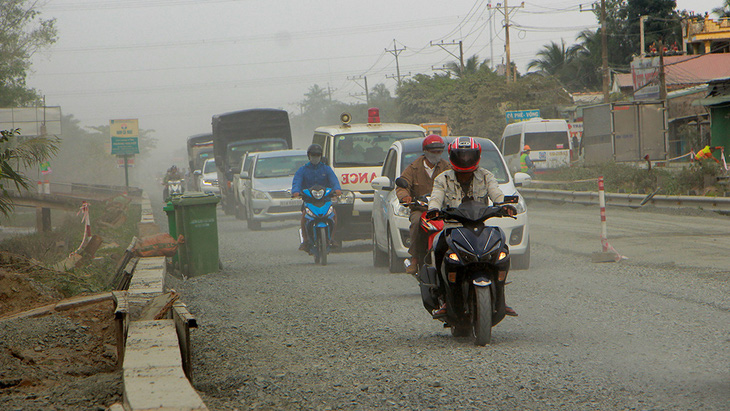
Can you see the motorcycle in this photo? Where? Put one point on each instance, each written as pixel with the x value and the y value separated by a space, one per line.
pixel 466 269
pixel 319 215
pixel 172 188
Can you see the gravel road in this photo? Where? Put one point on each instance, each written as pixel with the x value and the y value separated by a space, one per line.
pixel 650 332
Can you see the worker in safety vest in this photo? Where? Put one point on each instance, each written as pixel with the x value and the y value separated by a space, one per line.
pixel 526 164
pixel 706 153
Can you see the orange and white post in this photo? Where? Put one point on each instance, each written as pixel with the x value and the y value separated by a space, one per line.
pixel 608 253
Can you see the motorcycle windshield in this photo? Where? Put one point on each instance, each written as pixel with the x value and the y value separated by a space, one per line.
pixel 471 211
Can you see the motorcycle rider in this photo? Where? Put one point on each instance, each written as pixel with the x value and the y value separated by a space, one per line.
pixel 465 181
pixel 420 175
pixel 172 174
pixel 315 172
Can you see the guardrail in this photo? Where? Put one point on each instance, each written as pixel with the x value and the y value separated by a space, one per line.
pixel 629 200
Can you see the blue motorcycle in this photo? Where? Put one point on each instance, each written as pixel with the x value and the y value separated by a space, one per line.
pixel 319 217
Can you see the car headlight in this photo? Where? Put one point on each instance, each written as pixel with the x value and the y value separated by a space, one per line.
pixel 207 183
pixel 520 206
pixel 259 195
pixel 347 197
pixel 401 211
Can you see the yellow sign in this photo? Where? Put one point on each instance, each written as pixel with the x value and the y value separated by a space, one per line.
pixel 124 128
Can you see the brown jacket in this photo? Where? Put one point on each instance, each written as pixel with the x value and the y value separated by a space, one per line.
pixel 418 180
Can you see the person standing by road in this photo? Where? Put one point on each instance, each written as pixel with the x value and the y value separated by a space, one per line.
pixel 315 172
pixel 420 175
pixel 526 164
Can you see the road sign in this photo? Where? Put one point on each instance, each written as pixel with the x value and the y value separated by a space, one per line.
pixel 125 136
pixel 521 115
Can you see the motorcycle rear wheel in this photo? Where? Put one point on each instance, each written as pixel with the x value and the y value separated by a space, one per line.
pixel 322 244
pixel 482 316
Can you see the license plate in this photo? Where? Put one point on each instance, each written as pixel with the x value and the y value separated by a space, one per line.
pixel 291 202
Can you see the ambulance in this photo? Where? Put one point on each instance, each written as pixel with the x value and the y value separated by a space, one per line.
pixel 356 153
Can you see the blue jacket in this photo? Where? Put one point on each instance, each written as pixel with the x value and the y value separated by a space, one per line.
pixel 310 175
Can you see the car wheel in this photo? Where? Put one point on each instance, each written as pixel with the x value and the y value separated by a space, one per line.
pixel 240 211
pixel 522 262
pixel 395 264
pixel 250 222
pixel 380 258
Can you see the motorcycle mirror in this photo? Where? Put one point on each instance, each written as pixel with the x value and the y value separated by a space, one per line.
pixel 511 199
pixel 401 182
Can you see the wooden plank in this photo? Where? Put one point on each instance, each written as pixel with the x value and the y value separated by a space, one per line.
pixel 157 307
pixel 63 305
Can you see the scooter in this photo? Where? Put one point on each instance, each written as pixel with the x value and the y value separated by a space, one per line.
pixel 466 269
pixel 319 215
pixel 173 188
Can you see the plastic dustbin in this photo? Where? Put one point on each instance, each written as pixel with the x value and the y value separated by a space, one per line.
pixel 169 209
pixel 196 220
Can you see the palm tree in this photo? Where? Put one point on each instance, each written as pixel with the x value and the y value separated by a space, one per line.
pixel 724 11
pixel 586 61
pixel 471 66
pixel 554 58
pixel 13 155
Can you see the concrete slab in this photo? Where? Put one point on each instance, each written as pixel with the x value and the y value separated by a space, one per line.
pixel 153 374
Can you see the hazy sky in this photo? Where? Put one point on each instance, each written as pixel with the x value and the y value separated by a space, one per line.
pixel 174 63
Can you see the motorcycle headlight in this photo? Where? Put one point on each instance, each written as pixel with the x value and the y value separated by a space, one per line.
pixel 453 256
pixel 347 197
pixel 401 211
pixel 330 211
pixel 317 194
pixel 259 195
pixel 309 212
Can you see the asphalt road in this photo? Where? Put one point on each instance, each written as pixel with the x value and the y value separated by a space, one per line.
pixel 649 332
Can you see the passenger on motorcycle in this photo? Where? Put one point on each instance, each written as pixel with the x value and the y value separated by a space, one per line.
pixel 313 173
pixel 420 175
pixel 465 181
pixel 173 173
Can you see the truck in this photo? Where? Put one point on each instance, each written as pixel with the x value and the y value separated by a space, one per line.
pixel 200 148
pixel 238 132
pixel 356 153
pixel 632 131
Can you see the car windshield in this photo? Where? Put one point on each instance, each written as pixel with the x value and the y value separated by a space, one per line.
pixel 279 166
pixel 491 160
pixel 236 153
pixel 209 167
pixel 366 149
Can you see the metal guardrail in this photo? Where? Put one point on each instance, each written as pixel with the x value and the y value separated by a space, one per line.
pixel 629 200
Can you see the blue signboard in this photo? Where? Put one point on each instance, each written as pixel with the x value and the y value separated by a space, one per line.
pixel 521 115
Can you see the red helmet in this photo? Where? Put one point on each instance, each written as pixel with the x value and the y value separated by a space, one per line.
pixel 464 154
pixel 433 142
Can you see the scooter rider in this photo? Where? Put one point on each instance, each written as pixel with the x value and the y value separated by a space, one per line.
pixel 465 181
pixel 313 173
pixel 420 175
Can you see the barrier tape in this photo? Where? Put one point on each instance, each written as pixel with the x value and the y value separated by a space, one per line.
pixel 84 211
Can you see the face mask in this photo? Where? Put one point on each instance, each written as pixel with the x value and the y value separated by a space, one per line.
pixel 432 158
pixel 315 159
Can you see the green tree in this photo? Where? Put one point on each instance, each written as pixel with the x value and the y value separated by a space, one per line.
pixel 22 33
pixel 553 58
pixel 472 65
pixel 15 155
pixel 723 11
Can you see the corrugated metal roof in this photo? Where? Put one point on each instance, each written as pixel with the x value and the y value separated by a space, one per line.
pixel 689 69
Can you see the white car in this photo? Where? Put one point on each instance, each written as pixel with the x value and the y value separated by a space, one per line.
pixel 208 179
pixel 391 236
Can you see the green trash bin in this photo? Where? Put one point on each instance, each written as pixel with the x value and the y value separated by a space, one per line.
pixel 169 209
pixel 196 220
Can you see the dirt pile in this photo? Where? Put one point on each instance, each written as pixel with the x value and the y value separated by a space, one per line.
pixel 64 360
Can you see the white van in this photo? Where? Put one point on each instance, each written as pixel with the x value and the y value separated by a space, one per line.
pixel 356 153
pixel 549 142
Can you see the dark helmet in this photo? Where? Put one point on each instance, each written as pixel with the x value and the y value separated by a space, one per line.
pixel 433 142
pixel 464 154
pixel 314 150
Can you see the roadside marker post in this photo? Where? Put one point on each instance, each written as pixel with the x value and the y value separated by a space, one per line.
pixel 608 254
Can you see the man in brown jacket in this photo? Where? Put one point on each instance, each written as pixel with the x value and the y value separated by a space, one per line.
pixel 420 175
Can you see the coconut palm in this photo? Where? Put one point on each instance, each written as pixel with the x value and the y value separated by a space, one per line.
pixel 554 58
pixel 471 66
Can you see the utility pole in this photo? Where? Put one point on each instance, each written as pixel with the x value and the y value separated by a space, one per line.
pixel 460 57
pixel 642 20
pixel 662 77
pixel 395 52
pixel 491 37
pixel 367 93
pixel 604 51
pixel 506 12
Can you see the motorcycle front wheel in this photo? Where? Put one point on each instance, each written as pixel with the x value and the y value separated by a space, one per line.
pixel 482 316
pixel 322 244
